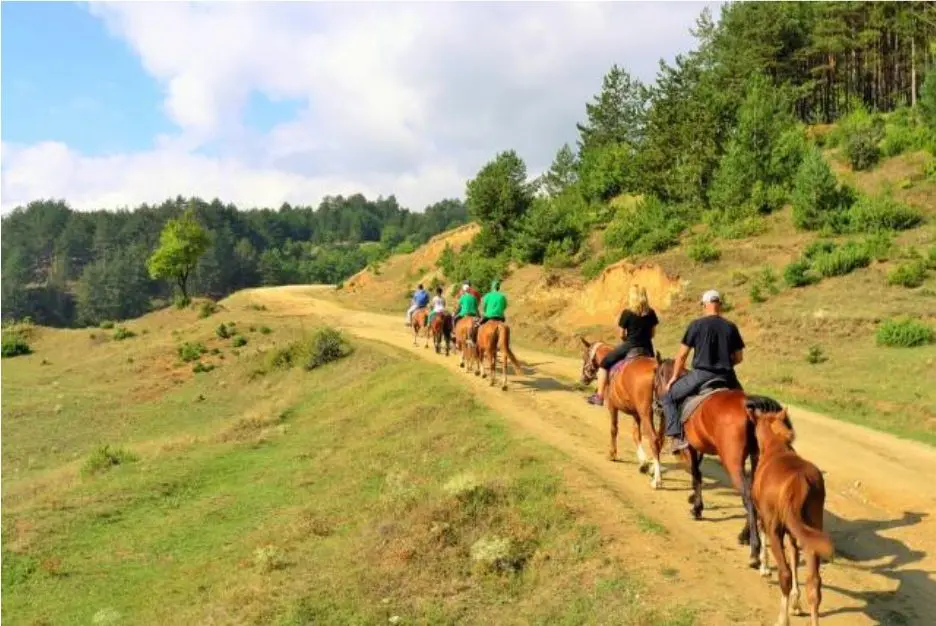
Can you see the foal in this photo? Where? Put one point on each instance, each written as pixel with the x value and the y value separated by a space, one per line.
pixel 789 494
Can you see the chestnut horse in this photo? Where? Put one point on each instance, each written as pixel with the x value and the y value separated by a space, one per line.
pixel 719 426
pixel 789 493
pixel 441 328
pixel 467 348
pixel 418 322
pixel 629 391
pixel 494 337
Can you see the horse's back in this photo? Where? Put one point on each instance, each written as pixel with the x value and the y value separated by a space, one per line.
pixel 631 383
pixel 721 421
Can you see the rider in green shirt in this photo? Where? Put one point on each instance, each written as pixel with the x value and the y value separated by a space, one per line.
pixel 467 305
pixel 493 305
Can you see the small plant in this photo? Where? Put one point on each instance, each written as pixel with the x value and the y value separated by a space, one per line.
pixel 704 252
pixel 265 330
pixel 909 275
pixel 257 307
pixel 239 341
pixel 201 368
pixel 739 278
pixel 799 274
pixel 269 558
pixel 106 325
pixel 882 212
pixel 931 258
pixel 841 261
pixel 207 309
pixel 14 344
pixel 904 333
pixel 106 457
pixel 325 346
pixel 223 331
pixel 121 333
pixel 190 351
pixel 765 285
pixel 757 294
pixel 815 355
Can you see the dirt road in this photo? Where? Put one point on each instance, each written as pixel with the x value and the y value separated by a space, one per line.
pixel 881 490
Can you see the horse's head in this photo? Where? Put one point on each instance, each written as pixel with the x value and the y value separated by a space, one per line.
pixel 772 425
pixel 589 361
pixel 662 375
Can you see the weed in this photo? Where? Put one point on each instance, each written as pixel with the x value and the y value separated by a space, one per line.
pixel 703 252
pixel 650 526
pixel 121 333
pixel 202 368
pixel 325 346
pixel 191 351
pixel 798 274
pixel 105 457
pixel 265 330
pixel 257 307
pixel 106 325
pixel 882 212
pixel 910 275
pixel 739 278
pixel 904 333
pixel 815 355
pixel 268 558
pixel 14 344
pixel 207 309
pixel 223 331
pixel 843 260
pixel 239 341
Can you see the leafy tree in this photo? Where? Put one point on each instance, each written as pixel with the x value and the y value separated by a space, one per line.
pixel 114 287
pixel 817 201
pixel 182 242
pixel 562 173
pixel 551 220
pixel 616 114
pixel 498 197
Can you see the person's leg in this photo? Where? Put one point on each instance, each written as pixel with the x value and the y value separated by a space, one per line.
pixel 604 373
pixel 409 314
pixel 681 389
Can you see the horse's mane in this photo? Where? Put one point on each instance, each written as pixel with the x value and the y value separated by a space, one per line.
pixel 762 404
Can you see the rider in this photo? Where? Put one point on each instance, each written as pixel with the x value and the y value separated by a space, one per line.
pixel 420 300
pixel 467 287
pixel 717 347
pixel 493 305
pixel 467 305
pixel 638 324
pixel 438 305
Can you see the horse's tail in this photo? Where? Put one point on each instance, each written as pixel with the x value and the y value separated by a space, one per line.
pixel 505 344
pixel 792 500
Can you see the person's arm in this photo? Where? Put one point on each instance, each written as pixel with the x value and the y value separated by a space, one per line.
pixel 679 364
pixel 737 346
pixel 656 322
pixel 622 324
pixel 737 357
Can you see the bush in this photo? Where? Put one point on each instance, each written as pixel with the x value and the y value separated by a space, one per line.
pixel 819 247
pixel 904 333
pixel 223 331
pixel 189 351
pixel 265 330
pixel 239 341
pixel 703 252
pixel 817 200
pixel 200 368
pixel 879 246
pixel 881 213
pixel 861 149
pixel 207 309
pixel 14 344
pixel 325 346
pixel 931 258
pixel 910 275
pixel 843 260
pixel 123 333
pixel 799 274
pixel 107 325
pixel 105 457
pixel 650 227
pixel 815 355
pixel 765 285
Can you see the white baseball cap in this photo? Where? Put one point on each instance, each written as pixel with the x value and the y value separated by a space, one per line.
pixel 711 296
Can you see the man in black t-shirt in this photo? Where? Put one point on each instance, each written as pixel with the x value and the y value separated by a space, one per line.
pixel 717 347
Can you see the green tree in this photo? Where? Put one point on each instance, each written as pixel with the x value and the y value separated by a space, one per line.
pixel 617 114
pixel 562 173
pixel 817 200
pixel 182 242
pixel 497 198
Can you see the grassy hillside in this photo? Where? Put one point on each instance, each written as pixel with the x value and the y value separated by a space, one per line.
pixel 814 345
pixel 370 489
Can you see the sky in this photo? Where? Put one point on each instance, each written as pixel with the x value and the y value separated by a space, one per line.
pixel 109 105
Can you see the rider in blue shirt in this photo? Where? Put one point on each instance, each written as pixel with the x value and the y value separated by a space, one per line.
pixel 420 301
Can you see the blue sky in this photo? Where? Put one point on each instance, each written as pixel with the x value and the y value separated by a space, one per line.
pixel 111 104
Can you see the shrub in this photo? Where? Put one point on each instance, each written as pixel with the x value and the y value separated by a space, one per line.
pixel 107 325
pixel 879 246
pixel 265 330
pixel 326 345
pixel 815 355
pixel 931 258
pixel 904 333
pixel 105 457
pixel 223 331
pixel 843 260
pixel 560 254
pixel 703 252
pixel 14 344
pixel 910 275
pixel 239 341
pixel 189 351
pixel 207 309
pixel 123 333
pixel 200 368
pixel 648 228
pixel 881 213
pixel 817 200
pixel 819 247
pixel 757 293
pixel 593 267
pixel 799 274
pixel 862 150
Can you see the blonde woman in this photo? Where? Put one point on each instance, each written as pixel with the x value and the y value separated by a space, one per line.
pixel 638 324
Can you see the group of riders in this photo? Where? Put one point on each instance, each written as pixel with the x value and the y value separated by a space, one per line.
pixel 470 303
pixel 715 342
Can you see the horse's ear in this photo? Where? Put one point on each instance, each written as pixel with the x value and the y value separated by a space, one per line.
pixel 585 342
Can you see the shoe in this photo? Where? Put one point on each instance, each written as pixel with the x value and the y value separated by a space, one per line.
pixel 678 444
pixel 595 399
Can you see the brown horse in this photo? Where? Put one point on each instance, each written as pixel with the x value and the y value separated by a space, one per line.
pixel 629 391
pixel 464 345
pixel 441 328
pixel 719 425
pixel 789 493
pixel 494 337
pixel 418 322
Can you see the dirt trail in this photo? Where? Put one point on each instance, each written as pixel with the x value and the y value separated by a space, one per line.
pixel 881 490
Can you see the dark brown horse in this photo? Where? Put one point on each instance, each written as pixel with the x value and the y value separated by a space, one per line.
pixel 789 493
pixel 466 348
pixel 441 328
pixel 418 322
pixel 494 337
pixel 629 391
pixel 719 426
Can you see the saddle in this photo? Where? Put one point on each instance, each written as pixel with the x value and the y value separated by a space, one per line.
pixel 632 354
pixel 690 404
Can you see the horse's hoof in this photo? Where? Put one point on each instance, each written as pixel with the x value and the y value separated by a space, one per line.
pixel 612 456
pixel 744 537
pixel 503 387
pixel 695 513
pixel 656 484
pixel 643 469
pixel 691 498
pixel 754 562
pixel 764 571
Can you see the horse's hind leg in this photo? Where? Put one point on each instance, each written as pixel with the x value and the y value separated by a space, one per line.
pixel 648 434
pixel 742 482
pixel 642 463
pixel 783 573
pixel 794 570
pixel 612 449
pixel 695 469
pixel 813 586
pixel 506 358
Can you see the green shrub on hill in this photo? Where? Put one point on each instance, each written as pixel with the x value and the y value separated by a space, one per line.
pixel 910 275
pixel 703 251
pixel 881 213
pixel 121 333
pixel 842 260
pixel 904 333
pixel 799 274
pixel 817 199
pixel 14 344
pixel 191 351
pixel 650 227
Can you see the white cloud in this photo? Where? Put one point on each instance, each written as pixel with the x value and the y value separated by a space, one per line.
pixel 409 99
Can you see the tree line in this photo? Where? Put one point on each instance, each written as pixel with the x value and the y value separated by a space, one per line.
pixel 726 134
pixel 63 267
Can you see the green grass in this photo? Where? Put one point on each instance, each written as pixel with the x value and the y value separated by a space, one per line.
pixel 341 494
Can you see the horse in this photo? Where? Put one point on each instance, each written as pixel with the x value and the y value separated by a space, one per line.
pixel 494 337
pixel 630 390
pixel 418 322
pixel 716 423
pixel 464 345
pixel 789 494
pixel 441 328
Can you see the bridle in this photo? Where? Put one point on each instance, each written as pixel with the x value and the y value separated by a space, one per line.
pixel 589 367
